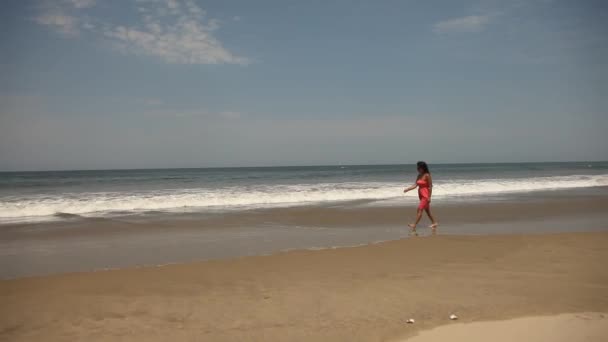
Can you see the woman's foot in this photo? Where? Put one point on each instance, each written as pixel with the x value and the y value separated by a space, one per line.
pixel 412 229
pixel 434 225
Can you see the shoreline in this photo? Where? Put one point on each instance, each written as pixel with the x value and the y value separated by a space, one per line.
pixel 82 246
pixel 364 212
pixel 348 294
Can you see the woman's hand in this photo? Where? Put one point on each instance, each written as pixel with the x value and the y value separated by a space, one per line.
pixel 410 188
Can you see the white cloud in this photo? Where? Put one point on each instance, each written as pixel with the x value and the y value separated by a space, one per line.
pixel 60 16
pixel 471 23
pixel 159 109
pixel 59 21
pixel 82 3
pixel 175 31
pixel 231 115
pixel 151 102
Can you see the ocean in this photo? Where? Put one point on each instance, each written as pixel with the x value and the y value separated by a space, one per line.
pixel 60 195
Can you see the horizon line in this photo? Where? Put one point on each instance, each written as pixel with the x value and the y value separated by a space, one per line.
pixel 292 166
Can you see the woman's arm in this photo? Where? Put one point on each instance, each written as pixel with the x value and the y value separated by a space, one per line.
pixel 411 188
pixel 429 179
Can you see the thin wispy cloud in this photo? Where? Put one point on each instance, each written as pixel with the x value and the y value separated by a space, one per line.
pixel 60 22
pixel 471 23
pixel 485 13
pixel 174 31
pixel 59 15
pixel 151 102
pixel 167 112
pixel 82 3
pixel 231 115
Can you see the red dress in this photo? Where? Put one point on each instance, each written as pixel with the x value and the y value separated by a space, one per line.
pixel 423 194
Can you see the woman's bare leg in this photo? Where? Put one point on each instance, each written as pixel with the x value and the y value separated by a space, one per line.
pixel 434 223
pixel 418 217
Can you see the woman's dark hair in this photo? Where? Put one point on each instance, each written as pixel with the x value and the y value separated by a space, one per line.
pixel 422 165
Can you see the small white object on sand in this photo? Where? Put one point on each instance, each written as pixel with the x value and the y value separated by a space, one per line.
pixel 410 321
pixel 453 317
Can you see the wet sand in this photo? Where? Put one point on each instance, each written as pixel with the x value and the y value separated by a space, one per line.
pixel 78 245
pixel 349 294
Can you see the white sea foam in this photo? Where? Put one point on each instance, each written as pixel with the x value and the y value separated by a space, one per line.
pixel 17 208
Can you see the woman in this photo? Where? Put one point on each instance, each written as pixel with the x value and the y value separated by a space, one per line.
pixel 424 183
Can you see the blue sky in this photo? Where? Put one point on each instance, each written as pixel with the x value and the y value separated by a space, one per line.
pixel 92 84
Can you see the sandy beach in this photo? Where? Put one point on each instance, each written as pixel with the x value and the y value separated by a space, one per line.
pixel 348 294
pixel 588 327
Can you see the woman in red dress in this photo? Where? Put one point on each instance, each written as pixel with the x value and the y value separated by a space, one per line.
pixel 424 183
